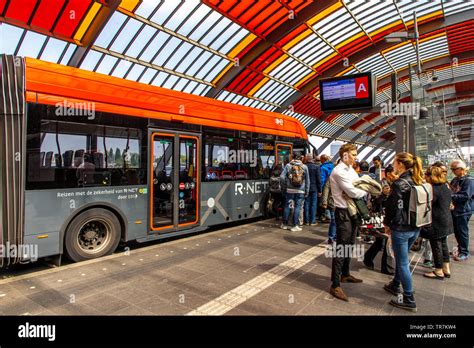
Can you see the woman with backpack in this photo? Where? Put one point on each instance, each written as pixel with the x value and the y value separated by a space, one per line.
pixel 398 225
pixel 442 224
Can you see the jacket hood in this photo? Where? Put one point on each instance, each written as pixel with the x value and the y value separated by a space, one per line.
pixel 328 164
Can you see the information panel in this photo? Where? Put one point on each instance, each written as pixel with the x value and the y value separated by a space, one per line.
pixel 347 92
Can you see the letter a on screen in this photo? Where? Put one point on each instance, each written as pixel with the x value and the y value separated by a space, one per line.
pixel 362 87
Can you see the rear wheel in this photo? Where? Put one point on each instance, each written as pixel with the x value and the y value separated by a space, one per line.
pixel 93 233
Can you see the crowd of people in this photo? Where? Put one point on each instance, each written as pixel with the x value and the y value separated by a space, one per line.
pixel 351 192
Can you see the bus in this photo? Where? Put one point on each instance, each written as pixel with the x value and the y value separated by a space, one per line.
pixel 88 161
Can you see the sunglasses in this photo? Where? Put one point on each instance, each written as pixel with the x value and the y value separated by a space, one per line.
pixel 453 169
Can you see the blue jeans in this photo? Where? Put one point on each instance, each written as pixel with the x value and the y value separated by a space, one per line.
pixel 332 226
pixel 461 232
pixel 298 199
pixel 310 206
pixel 401 244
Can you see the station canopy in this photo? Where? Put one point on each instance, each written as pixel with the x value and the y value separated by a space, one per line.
pixel 264 54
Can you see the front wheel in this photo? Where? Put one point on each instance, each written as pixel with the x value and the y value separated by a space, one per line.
pixel 92 234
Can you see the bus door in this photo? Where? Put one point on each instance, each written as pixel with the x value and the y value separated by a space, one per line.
pixel 174 181
pixel 283 152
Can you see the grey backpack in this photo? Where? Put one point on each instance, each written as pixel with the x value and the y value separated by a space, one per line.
pixel 420 212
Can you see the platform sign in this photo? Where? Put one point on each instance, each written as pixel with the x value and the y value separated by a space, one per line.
pixel 350 92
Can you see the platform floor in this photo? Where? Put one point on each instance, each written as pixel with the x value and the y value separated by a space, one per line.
pixel 253 269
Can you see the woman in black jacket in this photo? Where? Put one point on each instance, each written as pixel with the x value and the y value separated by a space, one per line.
pixel 442 224
pixel 403 234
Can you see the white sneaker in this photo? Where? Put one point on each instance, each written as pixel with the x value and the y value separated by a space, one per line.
pixel 284 227
pixel 296 229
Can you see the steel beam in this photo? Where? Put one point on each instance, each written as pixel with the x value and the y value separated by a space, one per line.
pixel 93 32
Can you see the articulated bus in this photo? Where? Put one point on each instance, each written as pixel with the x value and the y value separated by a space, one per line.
pixel 89 160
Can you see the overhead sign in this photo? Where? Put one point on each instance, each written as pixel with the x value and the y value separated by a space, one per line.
pixel 347 92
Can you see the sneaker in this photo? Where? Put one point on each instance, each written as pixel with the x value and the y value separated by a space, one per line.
pixel 392 288
pixel 314 224
pixel 461 258
pixel 427 264
pixel 404 302
pixel 296 229
pixel 284 227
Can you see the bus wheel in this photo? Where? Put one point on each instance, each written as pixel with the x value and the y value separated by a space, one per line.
pixel 93 233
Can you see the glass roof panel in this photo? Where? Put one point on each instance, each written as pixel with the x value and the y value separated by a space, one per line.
pixel 164 11
pixel 401 56
pixel 13 34
pixel 187 7
pixel 153 47
pixel 110 29
pixel 53 50
pixel 106 64
pixel 422 7
pixel 205 26
pixel 122 68
pixel 148 75
pixel 91 60
pixel 200 13
pixel 376 63
pixel 229 39
pixel 452 7
pixel 141 41
pixel 31 45
pixel 337 27
pixel 126 35
pixel 311 50
pixel 326 129
pixel 434 48
pixel 373 15
pixel 71 48
pixel 135 72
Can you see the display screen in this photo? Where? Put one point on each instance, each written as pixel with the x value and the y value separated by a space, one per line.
pixel 347 92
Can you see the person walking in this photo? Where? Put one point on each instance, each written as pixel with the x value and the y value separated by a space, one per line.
pixel 311 202
pixel 462 196
pixel 295 181
pixel 442 224
pixel 403 234
pixel 342 178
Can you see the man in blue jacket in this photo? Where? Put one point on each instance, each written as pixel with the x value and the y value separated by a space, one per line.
pixel 295 171
pixel 462 196
pixel 315 190
pixel 326 169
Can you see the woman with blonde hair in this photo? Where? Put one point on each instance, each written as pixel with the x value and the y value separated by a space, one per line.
pixel 442 224
pixel 403 234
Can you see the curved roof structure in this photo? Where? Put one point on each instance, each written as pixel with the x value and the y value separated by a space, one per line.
pixel 265 54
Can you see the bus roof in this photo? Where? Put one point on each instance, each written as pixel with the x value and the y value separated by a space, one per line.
pixel 50 83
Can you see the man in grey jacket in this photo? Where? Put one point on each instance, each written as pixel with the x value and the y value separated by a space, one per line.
pixel 295 171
